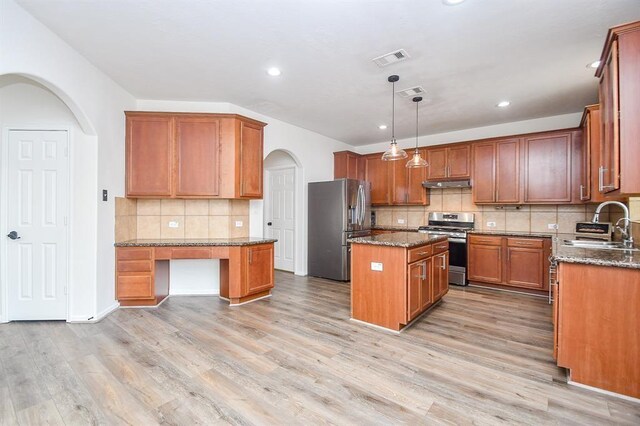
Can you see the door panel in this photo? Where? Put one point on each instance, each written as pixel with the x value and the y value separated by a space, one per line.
pixel 281 214
pixel 415 283
pixel 149 156
pixel 437 159
pixel 525 267
pixel 38 208
pixel 416 193
pixel 426 290
pixel 458 161
pixel 548 168
pixel 198 150
pixel 259 269
pixel 250 160
pixel 508 171
pixel 377 174
pixel 485 263
pixel 483 187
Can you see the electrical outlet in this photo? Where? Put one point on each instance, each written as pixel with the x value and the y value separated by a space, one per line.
pixel 491 224
pixel 552 226
pixel 174 224
pixel 238 224
pixel 401 221
pixel 376 266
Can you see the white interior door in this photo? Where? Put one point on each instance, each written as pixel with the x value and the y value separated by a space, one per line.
pixel 37 211
pixel 281 216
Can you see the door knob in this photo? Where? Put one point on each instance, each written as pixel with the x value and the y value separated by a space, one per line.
pixel 13 235
pixel 269 223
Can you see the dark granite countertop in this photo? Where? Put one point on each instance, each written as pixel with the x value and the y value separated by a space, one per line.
pixel 399 239
pixel 394 228
pixel 195 242
pixel 515 234
pixel 588 256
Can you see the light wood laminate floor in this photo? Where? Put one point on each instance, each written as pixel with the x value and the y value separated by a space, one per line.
pixel 479 357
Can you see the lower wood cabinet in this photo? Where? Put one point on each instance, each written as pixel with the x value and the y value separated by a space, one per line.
pixel 522 263
pixel 440 285
pixel 142 273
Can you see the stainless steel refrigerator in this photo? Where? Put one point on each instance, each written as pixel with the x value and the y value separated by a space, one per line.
pixel 338 210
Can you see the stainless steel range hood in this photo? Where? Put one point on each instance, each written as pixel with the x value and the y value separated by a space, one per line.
pixel 447 184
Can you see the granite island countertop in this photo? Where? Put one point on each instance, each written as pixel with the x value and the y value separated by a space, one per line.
pixel 195 242
pixel 399 239
pixel 394 228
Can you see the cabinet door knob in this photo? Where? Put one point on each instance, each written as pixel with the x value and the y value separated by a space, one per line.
pixel 269 223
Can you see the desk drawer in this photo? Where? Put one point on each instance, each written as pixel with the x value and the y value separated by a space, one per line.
pixel 485 240
pixel 191 253
pixel 525 242
pixel 420 253
pixel 135 266
pixel 440 247
pixel 134 253
pixel 135 287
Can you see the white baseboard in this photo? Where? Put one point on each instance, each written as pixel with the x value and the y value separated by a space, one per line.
pixel 98 317
pixel 603 391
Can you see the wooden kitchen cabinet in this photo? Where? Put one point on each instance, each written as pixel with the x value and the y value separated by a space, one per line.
pixel 348 165
pixel 619 92
pixel 185 155
pixel 149 155
pixel 450 162
pixel 496 172
pixel 484 259
pixel 259 275
pixel 415 192
pixel 503 261
pixel 415 282
pixel 551 167
pixel 440 278
pixel 377 174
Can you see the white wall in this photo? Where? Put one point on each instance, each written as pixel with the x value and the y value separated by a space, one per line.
pixel 312 151
pixel 506 129
pixel 27 104
pixel 29 48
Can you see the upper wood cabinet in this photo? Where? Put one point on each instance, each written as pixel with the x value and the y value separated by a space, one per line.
pixel 590 178
pixel 149 155
pixel 349 165
pixel 619 92
pixel 377 174
pixel 551 169
pixel 452 162
pixel 184 155
pixel 496 172
pixel 415 192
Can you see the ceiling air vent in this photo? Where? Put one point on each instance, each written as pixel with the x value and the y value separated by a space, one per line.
pixel 411 91
pixel 391 58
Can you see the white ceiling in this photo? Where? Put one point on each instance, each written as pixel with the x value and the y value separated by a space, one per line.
pixel 467 57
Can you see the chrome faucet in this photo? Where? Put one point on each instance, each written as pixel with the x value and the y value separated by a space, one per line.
pixel 627 238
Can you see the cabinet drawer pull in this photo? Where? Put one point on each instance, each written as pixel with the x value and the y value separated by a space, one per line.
pixel 423 270
pixel 422 253
pixel 444 261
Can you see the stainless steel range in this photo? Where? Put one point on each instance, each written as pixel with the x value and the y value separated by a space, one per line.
pixel 455 226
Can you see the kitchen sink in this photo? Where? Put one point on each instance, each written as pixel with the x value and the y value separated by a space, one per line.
pixel 603 245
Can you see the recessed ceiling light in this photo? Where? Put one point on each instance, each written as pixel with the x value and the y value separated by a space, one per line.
pixel 503 104
pixel 382 126
pixel 452 2
pixel 594 64
pixel 274 72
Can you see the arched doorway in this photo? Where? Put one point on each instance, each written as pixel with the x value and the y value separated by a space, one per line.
pixel 283 208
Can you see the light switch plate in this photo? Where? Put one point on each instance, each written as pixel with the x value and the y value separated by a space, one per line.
pixel 376 266
pixel 173 224
pixel 238 224
pixel 491 224
pixel 401 221
pixel 552 226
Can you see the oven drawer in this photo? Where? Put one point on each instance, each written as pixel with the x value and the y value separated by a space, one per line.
pixel 419 253
pixel 440 247
pixel 485 240
pixel 525 242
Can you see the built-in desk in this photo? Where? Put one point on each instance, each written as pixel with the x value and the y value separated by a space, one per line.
pixel 142 267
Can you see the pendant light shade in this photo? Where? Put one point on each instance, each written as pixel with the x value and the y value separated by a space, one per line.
pixel 417 160
pixel 394 152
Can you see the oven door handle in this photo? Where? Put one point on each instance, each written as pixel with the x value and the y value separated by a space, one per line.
pixel 457 240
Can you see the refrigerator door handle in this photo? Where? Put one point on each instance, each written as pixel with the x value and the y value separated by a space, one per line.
pixel 363 205
pixel 356 218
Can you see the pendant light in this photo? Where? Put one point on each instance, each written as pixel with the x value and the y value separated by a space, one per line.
pixel 394 152
pixel 417 160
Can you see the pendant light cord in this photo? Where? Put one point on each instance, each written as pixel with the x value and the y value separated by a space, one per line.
pixel 417 125
pixel 393 112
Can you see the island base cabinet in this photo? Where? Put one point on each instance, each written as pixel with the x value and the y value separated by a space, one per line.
pixel 389 292
pixel 597 326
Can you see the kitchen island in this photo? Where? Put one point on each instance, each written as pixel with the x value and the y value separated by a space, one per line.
pixel 396 277
pixel 142 267
pixel 596 305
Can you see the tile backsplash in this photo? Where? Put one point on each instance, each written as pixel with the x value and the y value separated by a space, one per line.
pixel 171 218
pixel 525 219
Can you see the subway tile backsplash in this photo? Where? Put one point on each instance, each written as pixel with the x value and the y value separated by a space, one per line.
pixel 536 218
pixel 145 218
